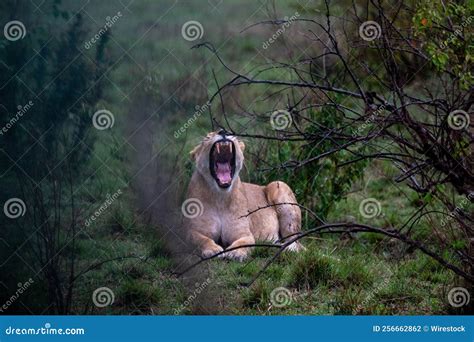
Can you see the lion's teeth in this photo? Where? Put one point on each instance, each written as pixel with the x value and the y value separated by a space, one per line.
pixel 231 148
pixel 218 150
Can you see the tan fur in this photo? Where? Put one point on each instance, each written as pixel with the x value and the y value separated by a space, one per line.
pixel 224 222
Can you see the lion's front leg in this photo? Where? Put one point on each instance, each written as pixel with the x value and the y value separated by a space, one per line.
pixel 206 245
pixel 203 233
pixel 237 233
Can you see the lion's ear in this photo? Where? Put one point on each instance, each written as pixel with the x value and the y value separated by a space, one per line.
pixel 242 145
pixel 194 152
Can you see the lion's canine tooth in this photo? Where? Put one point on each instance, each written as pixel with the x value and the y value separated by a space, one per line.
pixel 218 150
pixel 231 148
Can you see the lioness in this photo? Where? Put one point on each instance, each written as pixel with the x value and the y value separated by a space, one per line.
pixel 225 221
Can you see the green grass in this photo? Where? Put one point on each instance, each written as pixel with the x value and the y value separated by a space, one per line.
pixel 333 276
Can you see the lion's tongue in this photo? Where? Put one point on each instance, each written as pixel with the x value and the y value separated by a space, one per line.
pixel 223 172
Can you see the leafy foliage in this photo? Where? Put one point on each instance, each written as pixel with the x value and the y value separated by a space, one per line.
pixel 319 185
pixel 447 32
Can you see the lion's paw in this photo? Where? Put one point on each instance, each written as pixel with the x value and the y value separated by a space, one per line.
pixel 296 247
pixel 213 250
pixel 237 254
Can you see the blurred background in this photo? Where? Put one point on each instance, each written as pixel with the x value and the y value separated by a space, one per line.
pixel 101 102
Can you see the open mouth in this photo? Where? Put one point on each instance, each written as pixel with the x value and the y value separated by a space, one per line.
pixel 222 162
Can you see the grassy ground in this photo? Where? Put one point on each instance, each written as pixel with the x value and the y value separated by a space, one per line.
pixel 361 274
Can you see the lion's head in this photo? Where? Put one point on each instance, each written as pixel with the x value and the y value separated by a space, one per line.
pixel 219 159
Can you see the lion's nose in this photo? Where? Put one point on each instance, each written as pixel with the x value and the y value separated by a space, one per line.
pixel 223 133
